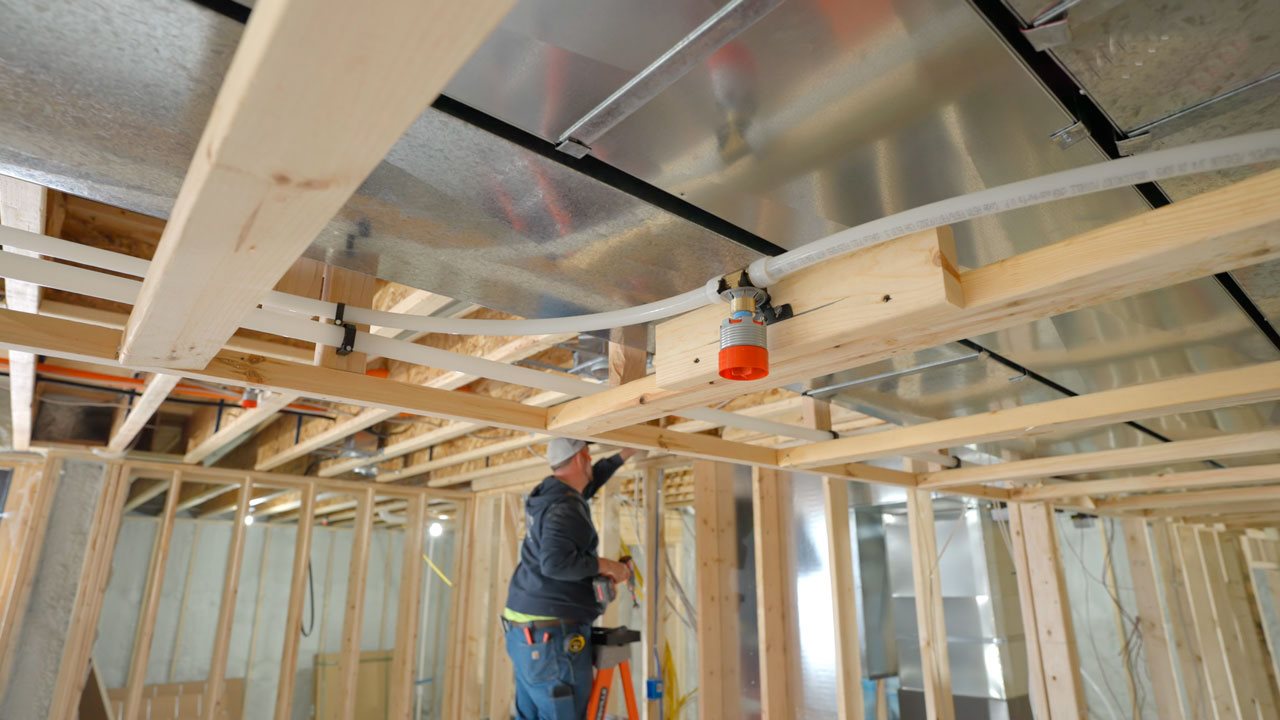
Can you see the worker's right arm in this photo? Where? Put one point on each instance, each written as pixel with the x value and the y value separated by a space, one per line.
pixel 565 546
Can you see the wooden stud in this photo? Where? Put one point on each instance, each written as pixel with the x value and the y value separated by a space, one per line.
pixel 75 675
pixel 456 649
pixel 1036 685
pixel 1221 695
pixel 1222 446
pixel 297 596
pixel 150 604
pixel 404 658
pixel 1184 645
pixel 931 623
pixel 652 632
pixel 718 627
pixel 771 507
pixel 1224 623
pixel 305 112
pixel 1248 628
pixel 1064 693
pixel 1123 631
pixel 33 487
pixel 849 704
pixel 1155 643
pixel 481 608
pixel 212 706
pixel 349 659
pixel 157 390
pixel 501 677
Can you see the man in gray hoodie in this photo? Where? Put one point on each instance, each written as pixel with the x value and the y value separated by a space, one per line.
pixel 550 601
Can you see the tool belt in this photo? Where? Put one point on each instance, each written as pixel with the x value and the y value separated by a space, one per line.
pixel 540 624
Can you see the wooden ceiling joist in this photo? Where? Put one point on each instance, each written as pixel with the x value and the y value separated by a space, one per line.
pixel 1205 391
pixel 911 297
pixel 1249 474
pixel 156 391
pixel 1198 501
pixel 245 422
pixel 317 93
pixel 1219 447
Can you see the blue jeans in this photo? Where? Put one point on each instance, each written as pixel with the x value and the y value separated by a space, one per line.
pixel 553 682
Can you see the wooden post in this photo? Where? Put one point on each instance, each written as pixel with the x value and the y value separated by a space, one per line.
pixel 73 677
pixel 1035 661
pixel 150 604
pixel 1247 630
pixel 931 624
pixel 407 615
pixel 32 489
pixel 297 596
pixel 719 676
pixel 1155 643
pixel 771 508
pixel 501 673
pixel 480 610
pixel 653 550
pixel 352 288
pixel 1221 694
pixel 1184 645
pixel 349 659
pixel 227 609
pixel 1117 614
pixel 1063 693
pixel 456 650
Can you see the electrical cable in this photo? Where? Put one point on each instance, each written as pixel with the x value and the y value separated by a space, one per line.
pixel 311 596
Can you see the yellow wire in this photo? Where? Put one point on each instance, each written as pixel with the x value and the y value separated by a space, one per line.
pixel 438 571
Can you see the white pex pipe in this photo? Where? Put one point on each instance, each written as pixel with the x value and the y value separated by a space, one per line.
pixel 125 290
pixel 1149 167
pixel 1200 157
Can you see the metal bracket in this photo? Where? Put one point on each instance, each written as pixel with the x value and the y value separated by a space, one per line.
pixel 1070 135
pixel 1049 35
pixel 574 148
pixel 348 345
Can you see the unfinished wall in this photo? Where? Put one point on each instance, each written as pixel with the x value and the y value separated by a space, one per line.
pixel 53 595
pixel 191 593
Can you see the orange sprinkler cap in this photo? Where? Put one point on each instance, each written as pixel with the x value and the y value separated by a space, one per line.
pixel 248 404
pixel 744 362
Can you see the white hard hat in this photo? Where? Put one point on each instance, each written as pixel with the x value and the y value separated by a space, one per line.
pixel 561 449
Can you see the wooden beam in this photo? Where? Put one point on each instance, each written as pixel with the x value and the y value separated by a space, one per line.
pixel 1184 645
pixel 417 302
pixel 1224 625
pixel 74 679
pixel 1037 688
pixel 1248 626
pixel 157 390
pixel 28 505
pixel 1198 500
pixel 317 93
pixel 1222 446
pixel 357 574
pixel 1220 694
pixel 771 507
pixel 195 493
pixel 628 358
pixel 24 206
pixel 718 623
pixel 1055 637
pixel 224 504
pixel 1213 232
pixel 1155 642
pixel 150 605
pixel 213 708
pixel 408 615
pixel 293 616
pixel 652 631
pixel 931 622
pixel 1244 475
pixel 142 490
pixel 351 288
pixel 849 704
pixel 246 422
pixel 1206 391
pixel 516 349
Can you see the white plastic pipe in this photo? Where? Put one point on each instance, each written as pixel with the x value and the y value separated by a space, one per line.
pixel 125 290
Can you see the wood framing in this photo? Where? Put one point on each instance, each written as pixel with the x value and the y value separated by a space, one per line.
pixel 771 506
pixel 1045 613
pixel 931 622
pixel 1244 475
pixel 213 709
pixel 1212 232
pixel 24 206
pixel 297 596
pixel 157 390
pixel 1220 695
pixel 305 113
pixel 150 605
pixel 1223 446
pixel 1155 643
pixel 245 422
pixel 849 704
pixel 1205 391
pixel 358 573
pixel 1184 644
pixel 1037 688
pixel 719 674
pixel 408 618
pixel 33 486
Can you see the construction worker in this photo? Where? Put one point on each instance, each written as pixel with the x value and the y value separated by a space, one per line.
pixel 551 602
